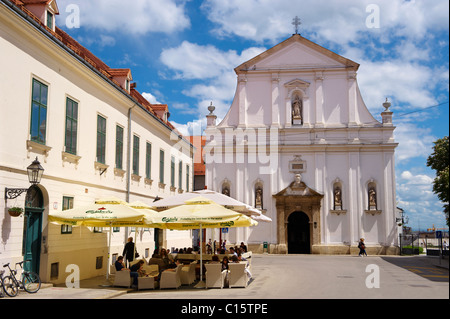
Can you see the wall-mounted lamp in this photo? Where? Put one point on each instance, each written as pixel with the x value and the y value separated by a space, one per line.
pixel 35 172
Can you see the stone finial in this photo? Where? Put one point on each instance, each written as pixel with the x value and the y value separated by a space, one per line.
pixel 211 117
pixel 211 109
pixel 387 105
pixel 386 115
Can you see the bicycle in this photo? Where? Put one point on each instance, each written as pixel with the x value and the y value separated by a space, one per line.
pixel 7 285
pixel 30 282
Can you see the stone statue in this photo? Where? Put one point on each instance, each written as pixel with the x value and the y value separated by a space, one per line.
pixel 298 180
pixel 297 106
pixel 372 199
pixel 337 198
pixel 226 191
pixel 258 198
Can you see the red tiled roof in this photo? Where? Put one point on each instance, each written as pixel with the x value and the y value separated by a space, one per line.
pixel 119 72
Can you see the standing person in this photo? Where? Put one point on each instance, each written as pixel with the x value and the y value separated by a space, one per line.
pixel 362 247
pixel 128 250
pixel 209 247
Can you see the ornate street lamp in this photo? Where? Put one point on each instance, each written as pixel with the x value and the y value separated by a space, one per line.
pixel 35 171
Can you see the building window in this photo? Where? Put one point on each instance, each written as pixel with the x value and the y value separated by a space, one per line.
pixel 49 20
pixel 148 161
pixel 172 171
pixel 161 166
pixel 135 155
pixel 71 126
pixel 119 147
pixel 187 178
pixel 99 262
pixel 180 175
pixel 54 271
pixel 67 204
pixel 39 112
pixel 101 139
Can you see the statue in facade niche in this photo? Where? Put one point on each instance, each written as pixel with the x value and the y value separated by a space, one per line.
pixel 297 108
pixel 372 199
pixel 258 198
pixel 337 198
pixel 226 191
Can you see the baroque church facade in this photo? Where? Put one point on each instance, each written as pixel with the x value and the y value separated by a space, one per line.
pixel 299 143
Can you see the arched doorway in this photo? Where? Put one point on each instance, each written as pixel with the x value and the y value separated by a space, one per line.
pixel 32 229
pixel 298 233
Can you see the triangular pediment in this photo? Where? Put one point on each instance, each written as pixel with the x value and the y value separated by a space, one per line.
pixel 296 53
pixel 54 6
pixel 297 83
pixel 298 188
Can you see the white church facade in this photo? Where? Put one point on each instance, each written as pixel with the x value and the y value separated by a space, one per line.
pixel 299 143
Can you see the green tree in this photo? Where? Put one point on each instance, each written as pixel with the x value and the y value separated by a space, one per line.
pixel 439 161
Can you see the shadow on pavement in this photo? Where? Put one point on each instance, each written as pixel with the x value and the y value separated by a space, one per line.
pixel 423 266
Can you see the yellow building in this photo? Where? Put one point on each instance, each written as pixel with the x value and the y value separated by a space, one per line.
pixel 93 133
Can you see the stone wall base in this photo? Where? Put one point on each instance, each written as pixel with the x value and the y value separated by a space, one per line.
pixel 327 249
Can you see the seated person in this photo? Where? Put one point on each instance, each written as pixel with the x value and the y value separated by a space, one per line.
pixel 235 259
pixel 137 267
pixel 215 260
pixel 120 266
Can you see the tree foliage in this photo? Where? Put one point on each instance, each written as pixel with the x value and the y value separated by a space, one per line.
pixel 439 161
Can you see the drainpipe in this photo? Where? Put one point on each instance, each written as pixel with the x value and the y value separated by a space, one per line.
pixel 127 198
pixel 129 155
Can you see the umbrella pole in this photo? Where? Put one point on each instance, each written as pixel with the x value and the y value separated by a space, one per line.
pixel 201 254
pixel 109 252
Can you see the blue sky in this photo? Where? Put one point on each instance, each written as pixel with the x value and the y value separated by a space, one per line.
pixel 183 52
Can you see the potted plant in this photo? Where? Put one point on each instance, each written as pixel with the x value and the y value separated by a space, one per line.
pixel 15 211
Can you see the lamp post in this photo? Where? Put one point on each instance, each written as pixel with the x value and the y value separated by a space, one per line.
pixel 35 171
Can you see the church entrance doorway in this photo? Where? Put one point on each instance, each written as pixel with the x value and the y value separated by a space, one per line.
pixel 298 233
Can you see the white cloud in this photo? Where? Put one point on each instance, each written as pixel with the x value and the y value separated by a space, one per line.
pixel 191 128
pixel 413 142
pixel 415 195
pixel 129 17
pixel 150 97
pixel 341 21
pixel 211 71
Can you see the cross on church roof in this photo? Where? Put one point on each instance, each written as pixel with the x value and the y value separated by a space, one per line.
pixel 296 22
